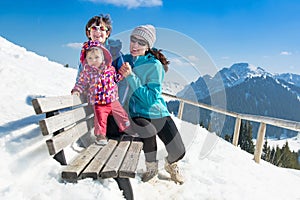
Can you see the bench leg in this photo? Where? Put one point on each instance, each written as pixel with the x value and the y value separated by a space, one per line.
pixel 125 185
pixel 60 157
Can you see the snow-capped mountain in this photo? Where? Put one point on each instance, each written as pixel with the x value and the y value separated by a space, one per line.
pixel 225 78
pixel 250 90
pixel 290 78
pixel 238 73
pixel 265 96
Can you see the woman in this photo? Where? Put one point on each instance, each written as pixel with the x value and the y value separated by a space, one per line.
pixel 144 69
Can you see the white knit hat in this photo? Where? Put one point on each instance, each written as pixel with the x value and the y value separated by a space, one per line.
pixel 147 32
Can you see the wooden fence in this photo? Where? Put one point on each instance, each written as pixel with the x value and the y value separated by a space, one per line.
pixel 291 125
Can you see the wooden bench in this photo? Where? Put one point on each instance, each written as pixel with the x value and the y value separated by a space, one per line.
pixel 69 120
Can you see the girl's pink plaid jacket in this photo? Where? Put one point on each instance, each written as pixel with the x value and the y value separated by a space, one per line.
pixel 101 86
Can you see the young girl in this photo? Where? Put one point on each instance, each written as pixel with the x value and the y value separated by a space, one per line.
pixel 98 28
pixel 99 78
pixel 144 69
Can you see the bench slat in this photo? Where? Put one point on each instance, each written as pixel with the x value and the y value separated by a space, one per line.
pixel 94 168
pixel 72 171
pixel 57 122
pixel 62 140
pixel 48 104
pixel 112 166
pixel 128 168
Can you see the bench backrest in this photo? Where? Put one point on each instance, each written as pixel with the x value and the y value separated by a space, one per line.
pixel 68 118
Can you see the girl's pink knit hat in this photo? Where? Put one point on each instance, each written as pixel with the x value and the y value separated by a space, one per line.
pixel 90 44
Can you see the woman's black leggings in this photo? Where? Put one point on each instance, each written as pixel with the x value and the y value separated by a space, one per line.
pixel 166 130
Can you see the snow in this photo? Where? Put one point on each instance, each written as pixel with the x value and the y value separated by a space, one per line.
pixel 294 143
pixel 213 169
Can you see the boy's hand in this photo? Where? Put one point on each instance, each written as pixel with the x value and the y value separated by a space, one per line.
pixel 125 69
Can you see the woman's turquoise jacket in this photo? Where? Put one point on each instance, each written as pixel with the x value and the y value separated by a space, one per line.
pixel 144 96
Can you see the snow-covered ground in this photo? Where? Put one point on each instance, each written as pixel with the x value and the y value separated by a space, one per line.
pixel 214 169
pixel 294 142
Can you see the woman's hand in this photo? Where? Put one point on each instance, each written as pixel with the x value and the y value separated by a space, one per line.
pixel 125 69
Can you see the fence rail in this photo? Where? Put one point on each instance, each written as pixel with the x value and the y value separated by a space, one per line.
pixel 288 124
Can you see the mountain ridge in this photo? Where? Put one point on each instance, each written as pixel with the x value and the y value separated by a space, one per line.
pixel 249 90
pixel 236 74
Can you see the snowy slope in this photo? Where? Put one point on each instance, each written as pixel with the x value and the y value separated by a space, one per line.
pixel 24 73
pixel 213 168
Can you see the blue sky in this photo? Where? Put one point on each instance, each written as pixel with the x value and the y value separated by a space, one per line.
pixel 264 33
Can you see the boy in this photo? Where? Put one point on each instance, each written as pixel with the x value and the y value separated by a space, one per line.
pixel 98 28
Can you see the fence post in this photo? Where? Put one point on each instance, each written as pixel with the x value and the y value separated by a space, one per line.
pixel 236 131
pixel 180 109
pixel 259 142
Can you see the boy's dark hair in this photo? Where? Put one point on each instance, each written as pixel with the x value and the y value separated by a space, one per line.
pixel 160 56
pixel 98 19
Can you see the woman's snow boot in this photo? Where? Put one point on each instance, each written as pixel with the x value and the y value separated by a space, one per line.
pixel 152 171
pixel 173 170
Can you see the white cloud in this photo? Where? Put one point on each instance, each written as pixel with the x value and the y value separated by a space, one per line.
pixel 131 3
pixel 74 45
pixel 285 53
pixel 193 58
pixel 190 60
pixel 179 62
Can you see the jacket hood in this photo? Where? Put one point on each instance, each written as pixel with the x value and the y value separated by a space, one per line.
pixel 92 44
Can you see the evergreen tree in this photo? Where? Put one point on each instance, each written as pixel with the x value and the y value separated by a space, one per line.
pixel 209 128
pixel 272 155
pixel 286 158
pixel 283 157
pixel 242 137
pixel 277 157
pixel 245 137
pixel 249 145
pixel 266 152
pixel 228 138
pixel 201 124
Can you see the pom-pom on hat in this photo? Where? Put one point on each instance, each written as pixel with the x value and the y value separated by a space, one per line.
pixel 147 32
pixel 95 44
